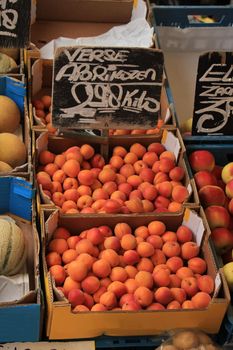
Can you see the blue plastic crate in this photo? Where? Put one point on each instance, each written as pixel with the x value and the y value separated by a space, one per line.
pixel 16 195
pixel 108 342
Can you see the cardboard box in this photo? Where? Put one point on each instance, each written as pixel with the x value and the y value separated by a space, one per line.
pixel 61 323
pixel 21 319
pixel 57 144
pixel 40 78
pixel 77 18
pixel 14 86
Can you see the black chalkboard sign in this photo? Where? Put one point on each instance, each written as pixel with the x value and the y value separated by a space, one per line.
pixel 213 107
pixel 15 17
pixel 100 88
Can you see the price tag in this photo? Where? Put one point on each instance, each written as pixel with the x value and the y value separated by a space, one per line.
pixel 218 283
pixel 15 18
pixel 78 345
pixel 195 223
pixel 106 87
pixel 213 108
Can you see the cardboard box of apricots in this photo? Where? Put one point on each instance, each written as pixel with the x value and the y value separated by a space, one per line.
pixel 40 77
pixel 103 147
pixel 63 322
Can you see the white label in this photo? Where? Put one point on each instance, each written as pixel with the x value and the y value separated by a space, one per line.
pixel 167 116
pixel 217 283
pixel 172 144
pixel 195 223
pixel 78 345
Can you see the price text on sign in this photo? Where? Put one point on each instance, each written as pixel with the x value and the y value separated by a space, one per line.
pixel 106 87
pixel 213 108
pixel 14 23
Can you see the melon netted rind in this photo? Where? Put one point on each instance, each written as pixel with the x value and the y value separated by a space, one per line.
pixel 12 248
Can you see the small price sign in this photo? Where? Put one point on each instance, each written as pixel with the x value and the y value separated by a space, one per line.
pixel 15 17
pixel 213 107
pixel 101 88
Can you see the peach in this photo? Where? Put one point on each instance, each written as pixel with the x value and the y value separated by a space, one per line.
pixel 145 264
pixel 201 160
pixel 189 285
pixel 167 154
pixel 118 274
pixel 98 204
pixel 184 272
pixel 162 202
pixel 46 157
pixel 131 306
pixel 138 149
pixel 122 229
pixel 164 189
pixel 136 194
pixel 105 230
pixel 187 304
pixel 155 169
pixel 201 300
pixel 212 195
pixel 98 293
pixel 69 183
pixel 118 288
pixel 77 270
pixel 74 154
pixel 206 284
pixel 143 296
pixel 86 177
pixel 156 227
pixel 144 278
pixel 101 268
pixel 69 255
pixel 70 284
pixel 59 160
pixel 158 257
pixel 147 174
pixel 61 232
pixel 150 158
pixel 58 245
pixel 72 211
pixel 128 297
pixel 180 194
pixel 155 306
pixel 109 187
pixel 72 241
pixel 131 285
pixel 171 249
pixel 86 259
pixel 58 198
pixel 76 297
pixel 175 281
pixel 149 192
pixel 135 205
pixel 161 267
pixel 145 249
pixel 90 284
pixel 177 173
pixel 173 305
pixel 112 206
pixel 203 178
pixel 118 195
pixel 119 151
pixel 169 236
pixel 179 294
pixel 184 234
pixel 166 164
pixel 139 165
pixel 217 216
pixel 189 250
pixel 155 240
pixel 94 235
pixel 80 308
pixel 53 258
pixel 230 206
pixel 163 295
pixel 104 282
pixel 156 147
pixel 161 278
pixel 131 257
pixel 44 180
pixel 50 169
pixel 87 151
pixel 98 307
pixel 229 189
pixel 111 256
pixel 84 190
pixel 197 265
pixel 84 201
pixel 97 161
pixel 130 158
pixel 59 176
pixel 127 170
pixel 84 246
pixel 71 168
pixel 96 184
pixel 174 263
pixel 227 172
pixel 126 188
pixel 108 299
pixel 71 194
pixel 67 205
pixel 131 271
pixel 141 231
pixel 128 242
pixel 116 161
pixel 112 242
pixel 134 180
pixel 106 175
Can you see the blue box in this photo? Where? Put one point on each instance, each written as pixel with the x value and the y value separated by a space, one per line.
pixel 21 321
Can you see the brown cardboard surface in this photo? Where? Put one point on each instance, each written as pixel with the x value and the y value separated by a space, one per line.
pixel 63 324
pixel 85 10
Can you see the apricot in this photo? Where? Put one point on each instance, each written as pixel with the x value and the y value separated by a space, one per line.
pixel 70 284
pixel 201 300
pixel 77 270
pixel 53 258
pixel 143 296
pixel 84 246
pixel 144 278
pixel 161 278
pixel 69 255
pixel 156 227
pixel 131 257
pixel 101 268
pixel 184 234
pixel 86 259
pixel 44 180
pixel 75 297
pixel 158 257
pixel 108 299
pixel 98 307
pixel 189 285
pixel 147 175
pixel 131 271
pixel 174 263
pixel 145 249
pixel 184 272
pixel 90 284
pixel 58 245
pixel 177 173
pixel 163 295
pixel 118 288
pixel 61 232
pixel 189 250
pixel 118 274
pixel 206 284
pixel 197 265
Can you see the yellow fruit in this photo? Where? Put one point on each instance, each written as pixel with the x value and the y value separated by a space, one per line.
pixel 4 167
pixel 9 114
pixel 12 150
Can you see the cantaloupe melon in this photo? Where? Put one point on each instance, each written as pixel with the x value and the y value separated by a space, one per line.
pixel 10 51
pixel 7 63
pixel 13 250
pixel 5 168
pixel 12 150
pixel 9 114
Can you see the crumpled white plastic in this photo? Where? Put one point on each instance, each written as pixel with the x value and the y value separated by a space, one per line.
pixel 136 33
